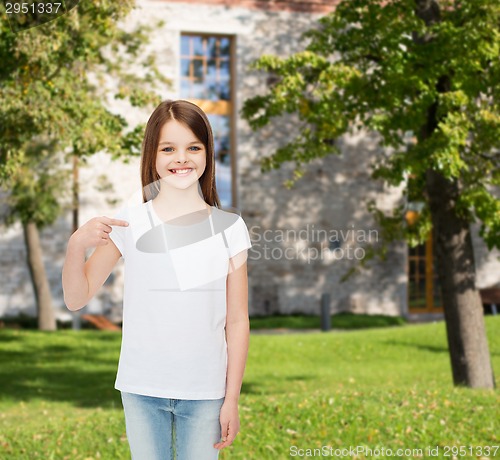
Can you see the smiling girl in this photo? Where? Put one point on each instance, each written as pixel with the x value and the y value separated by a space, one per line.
pixel 185 329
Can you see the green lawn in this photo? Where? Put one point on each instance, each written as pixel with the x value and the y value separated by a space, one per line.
pixel 385 388
pixel 337 321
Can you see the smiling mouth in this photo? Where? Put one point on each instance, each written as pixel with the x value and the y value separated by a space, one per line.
pixel 181 172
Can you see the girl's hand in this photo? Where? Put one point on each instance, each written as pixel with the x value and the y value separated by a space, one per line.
pixel 229 423
pixel 96 232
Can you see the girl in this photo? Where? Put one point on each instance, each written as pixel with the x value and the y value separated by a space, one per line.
pixel 185 328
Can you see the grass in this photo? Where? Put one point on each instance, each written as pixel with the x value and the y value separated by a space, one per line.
pixel 384 388
pixel 338 321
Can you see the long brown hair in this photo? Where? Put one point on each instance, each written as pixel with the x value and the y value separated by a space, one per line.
pixel 195 119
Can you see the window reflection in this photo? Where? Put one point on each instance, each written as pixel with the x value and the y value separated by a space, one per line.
pixel 185 69
pixel 224 69
pixel 197 43
pixel 185 47
pixel 224 47
pixel 209 75
pixel 220 126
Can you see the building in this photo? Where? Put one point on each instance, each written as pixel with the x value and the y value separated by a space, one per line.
pixel 304 239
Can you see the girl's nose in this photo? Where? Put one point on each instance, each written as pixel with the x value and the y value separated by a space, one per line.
pixel 181 156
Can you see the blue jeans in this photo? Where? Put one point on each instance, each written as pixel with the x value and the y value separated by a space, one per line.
pixel 158 428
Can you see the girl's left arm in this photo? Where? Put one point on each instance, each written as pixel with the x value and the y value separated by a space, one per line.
pixel 237 338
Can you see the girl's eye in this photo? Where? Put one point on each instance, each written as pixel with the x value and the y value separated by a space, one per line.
pixel 193 147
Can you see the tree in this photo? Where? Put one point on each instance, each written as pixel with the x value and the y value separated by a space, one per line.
pixel 425 70
pixel 55 83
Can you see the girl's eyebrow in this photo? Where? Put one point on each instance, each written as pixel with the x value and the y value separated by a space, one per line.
pixel 173 143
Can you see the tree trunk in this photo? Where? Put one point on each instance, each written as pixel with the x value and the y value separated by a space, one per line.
pixel 46 317
pixel 463 310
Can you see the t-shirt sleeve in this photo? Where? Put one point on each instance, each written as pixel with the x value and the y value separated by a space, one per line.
pixel 118 233
pixel 239 239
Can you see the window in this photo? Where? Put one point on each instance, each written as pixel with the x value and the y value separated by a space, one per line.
pixel 423 283
pixel 206 80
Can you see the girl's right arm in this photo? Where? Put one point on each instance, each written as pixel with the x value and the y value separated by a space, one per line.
pixel 81 279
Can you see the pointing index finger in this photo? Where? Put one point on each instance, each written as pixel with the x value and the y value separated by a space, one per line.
pixel 116 222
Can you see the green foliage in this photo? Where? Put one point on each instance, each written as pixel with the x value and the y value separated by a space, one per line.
pixel 56 82
pixel 36 186
pixel 378 65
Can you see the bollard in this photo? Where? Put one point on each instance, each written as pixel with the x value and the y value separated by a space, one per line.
pixel 325 312
pixel 77 321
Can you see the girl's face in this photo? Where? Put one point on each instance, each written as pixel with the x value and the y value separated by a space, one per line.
pixel 181 157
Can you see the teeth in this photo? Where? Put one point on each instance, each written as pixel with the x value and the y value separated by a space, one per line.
pixel 181 171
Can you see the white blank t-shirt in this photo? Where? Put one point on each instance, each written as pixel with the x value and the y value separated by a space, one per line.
pixel 174 302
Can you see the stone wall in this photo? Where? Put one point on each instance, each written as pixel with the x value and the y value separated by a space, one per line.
pixel 305 6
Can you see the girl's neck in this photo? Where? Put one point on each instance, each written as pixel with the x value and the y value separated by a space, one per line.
pixel 171 203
